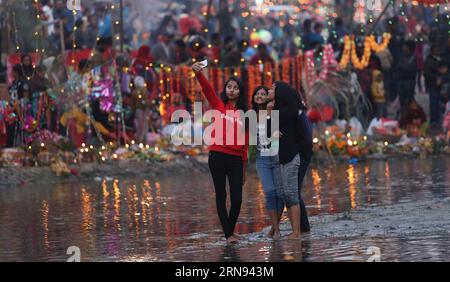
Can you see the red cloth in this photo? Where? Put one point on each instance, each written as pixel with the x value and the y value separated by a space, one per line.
pixel 327 113
pixel 143 60
pixel 215 53
pixel 217 104
pixel 186 23
pixel 314 116
pixel 77 138
pixel 73 57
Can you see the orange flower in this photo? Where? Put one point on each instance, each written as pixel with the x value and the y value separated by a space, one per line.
pixel 384 44
pixel 370 44
pixel 364 61
pixel 345 59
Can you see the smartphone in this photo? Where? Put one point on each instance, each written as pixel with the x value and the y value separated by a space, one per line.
pixel 204 64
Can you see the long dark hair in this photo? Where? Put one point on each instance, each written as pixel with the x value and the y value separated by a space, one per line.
pixel 241 103
pixel 284 96
pixel 301 104
pixel 254 105
pixel 287 97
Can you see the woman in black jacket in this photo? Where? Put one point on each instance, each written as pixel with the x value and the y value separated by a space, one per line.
pixel 305 148
pixel 287 105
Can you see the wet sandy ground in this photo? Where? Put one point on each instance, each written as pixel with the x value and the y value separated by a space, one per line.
pixel 401 232
pixel 120 169
pixel 398 209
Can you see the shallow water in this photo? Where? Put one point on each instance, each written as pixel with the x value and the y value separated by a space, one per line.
pixel 174 219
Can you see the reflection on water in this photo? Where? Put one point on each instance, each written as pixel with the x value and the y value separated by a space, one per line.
pixel 175 218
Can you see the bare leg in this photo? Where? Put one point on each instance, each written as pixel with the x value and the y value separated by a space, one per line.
pixel 275 230
pixel 294 217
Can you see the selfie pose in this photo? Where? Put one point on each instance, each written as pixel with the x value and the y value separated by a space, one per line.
pixel 227 159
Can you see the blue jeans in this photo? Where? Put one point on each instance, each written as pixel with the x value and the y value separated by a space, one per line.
pixel 268 169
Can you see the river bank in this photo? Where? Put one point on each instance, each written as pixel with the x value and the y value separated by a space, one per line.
pixel 181 165
pixel 98 171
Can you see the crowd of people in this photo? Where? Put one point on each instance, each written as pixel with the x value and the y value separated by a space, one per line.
pixel 416 61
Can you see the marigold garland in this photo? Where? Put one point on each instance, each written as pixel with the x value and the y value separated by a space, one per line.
pixel 277 71
pixel 192 86
pixel 365 59
pixel 384 44
pixel 299 60
pixel 345 59
pixel 251 81
pixel 268 74
pixel 370 44
pixel 227 74
pixel 178 81
pixel 285 72
pixel 220 80
pixel 237 72
pixel 258 74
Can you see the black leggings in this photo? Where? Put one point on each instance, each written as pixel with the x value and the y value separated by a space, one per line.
pixel 222 166
pixel 304 222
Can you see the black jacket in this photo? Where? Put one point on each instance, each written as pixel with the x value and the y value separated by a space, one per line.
pixel 431 71
pixel 289 139
pixel 407 68
pixel 304 136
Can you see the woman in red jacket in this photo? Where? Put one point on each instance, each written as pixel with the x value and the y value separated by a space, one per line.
pixel 227 158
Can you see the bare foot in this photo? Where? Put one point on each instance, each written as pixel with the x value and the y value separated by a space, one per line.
pixel 294 236
pixel 276 235
pixel 232 240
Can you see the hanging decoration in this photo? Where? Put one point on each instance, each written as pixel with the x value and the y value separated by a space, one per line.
pixel 370 44
pixel 277 71
pixel 380 47
pixel 365 59
pixel 327 62
pixel 251 80
pixel 285 74
pixel 268 75
pixel 345 58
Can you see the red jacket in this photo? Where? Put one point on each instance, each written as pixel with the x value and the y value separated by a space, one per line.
pixel 217 104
